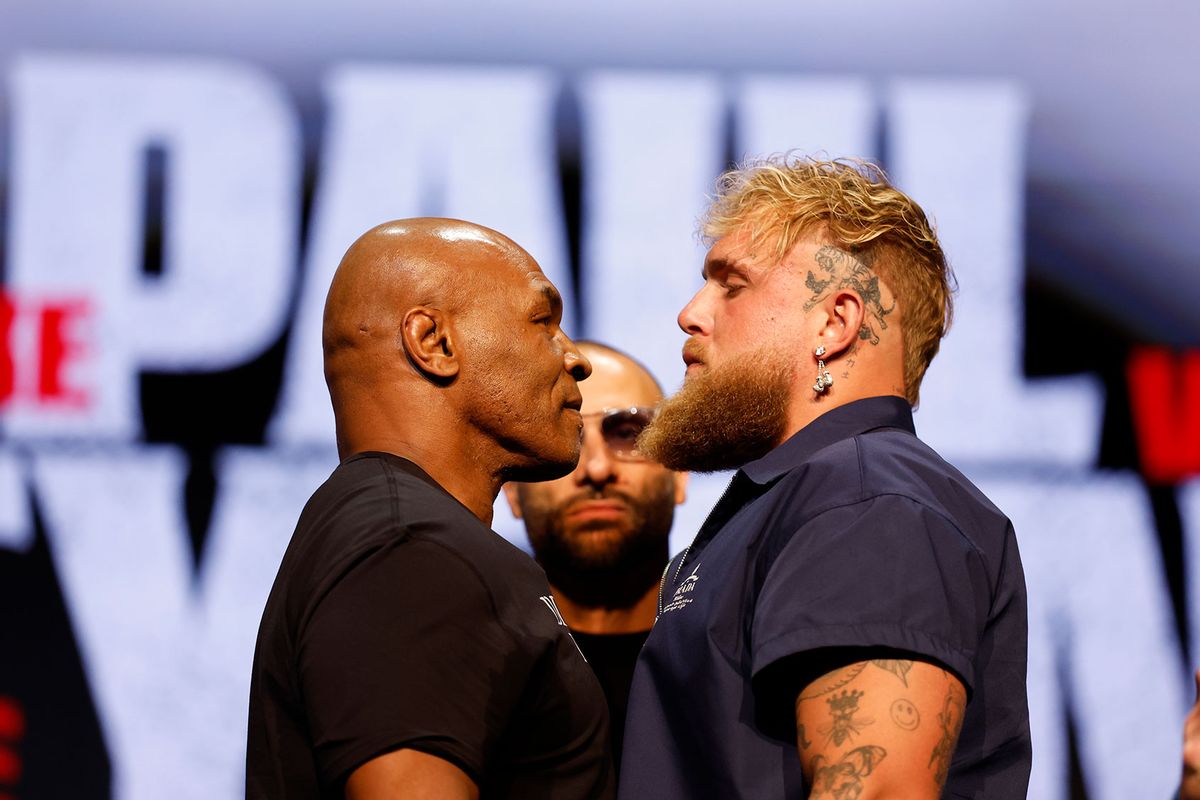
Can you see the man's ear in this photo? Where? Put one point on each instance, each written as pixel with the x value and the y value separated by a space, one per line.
pixel 429 343
pixel 681 482
pixel 845 314
pixel 513 496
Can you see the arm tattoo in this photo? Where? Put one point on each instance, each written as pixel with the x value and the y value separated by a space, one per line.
pixel 802 738
pixel 950 720
pixel 897 667
pixel 843 707
pixel 844 780
pixel 833 681
pixel 905 715
pixel 845 271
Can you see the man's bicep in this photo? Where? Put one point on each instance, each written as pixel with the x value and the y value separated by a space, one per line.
pixel 410 775
pixel 879 727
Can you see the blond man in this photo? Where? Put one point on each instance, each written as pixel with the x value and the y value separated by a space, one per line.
pixel 850 621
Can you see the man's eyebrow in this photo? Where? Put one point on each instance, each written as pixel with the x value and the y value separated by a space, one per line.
pixel 551 296
pixel 722 266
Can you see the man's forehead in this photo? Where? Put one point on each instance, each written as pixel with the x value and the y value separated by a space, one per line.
pixel 615 382
pixel 734 250
pixel 739 251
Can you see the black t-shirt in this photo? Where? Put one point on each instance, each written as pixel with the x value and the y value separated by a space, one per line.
pixel 397 620
pixel 612 657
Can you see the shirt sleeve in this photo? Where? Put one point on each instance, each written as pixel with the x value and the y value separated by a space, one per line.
pixel 886 572
pixel 407 650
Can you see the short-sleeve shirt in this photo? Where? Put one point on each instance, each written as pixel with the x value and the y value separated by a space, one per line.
pixel 399 620
pixel 851 534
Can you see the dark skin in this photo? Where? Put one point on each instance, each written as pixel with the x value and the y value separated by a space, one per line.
pixel 443 345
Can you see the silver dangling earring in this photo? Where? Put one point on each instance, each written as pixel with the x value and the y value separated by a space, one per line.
pixel 824 379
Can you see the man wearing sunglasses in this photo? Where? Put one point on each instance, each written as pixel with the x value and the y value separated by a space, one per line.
pixel 600 533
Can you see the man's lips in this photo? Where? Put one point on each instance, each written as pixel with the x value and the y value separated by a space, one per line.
pixel 691 357
pixel 597 508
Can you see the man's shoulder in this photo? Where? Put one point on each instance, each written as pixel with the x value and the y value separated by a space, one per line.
pixel 897 462
pixel 380 507
pixel 373 498
pixel 886 467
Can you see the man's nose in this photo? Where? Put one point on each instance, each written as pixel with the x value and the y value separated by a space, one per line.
pixel 574 361
pixel 695 318
pixel 596 463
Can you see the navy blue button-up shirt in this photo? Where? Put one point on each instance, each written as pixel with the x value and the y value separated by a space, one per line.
pixel 852 533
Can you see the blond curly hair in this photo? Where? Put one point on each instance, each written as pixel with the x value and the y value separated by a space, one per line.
pixel 850 204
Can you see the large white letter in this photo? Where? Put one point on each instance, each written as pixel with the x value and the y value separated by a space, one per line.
pixel 958 149
pixel 821 117
pixel 1189 513
pixel 168 655
pixel 261 495
pixel 1100 619
pixel 475 144
pixel 652 148
pixel 16 523
pixel 81 130
pixel 119 544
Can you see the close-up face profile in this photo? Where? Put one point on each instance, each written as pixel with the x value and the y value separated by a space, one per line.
pixel 747 330
pixel 616 507
pixel 750 297
pixel 522 370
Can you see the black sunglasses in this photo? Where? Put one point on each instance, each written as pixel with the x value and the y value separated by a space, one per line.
pixel 620 428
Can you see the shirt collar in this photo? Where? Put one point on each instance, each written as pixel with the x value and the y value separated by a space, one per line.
pixel 833 426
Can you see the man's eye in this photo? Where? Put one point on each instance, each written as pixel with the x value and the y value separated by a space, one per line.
pixel 732 289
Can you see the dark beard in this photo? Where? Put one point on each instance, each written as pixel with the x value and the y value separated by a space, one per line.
pixel 722 417
pixel 619 577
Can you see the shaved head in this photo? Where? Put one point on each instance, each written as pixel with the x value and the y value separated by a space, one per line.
pixel 405 263
pixel 443 344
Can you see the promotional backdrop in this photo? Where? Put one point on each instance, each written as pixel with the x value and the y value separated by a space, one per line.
pixel 178 182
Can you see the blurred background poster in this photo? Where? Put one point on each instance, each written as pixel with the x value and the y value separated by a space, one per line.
pixel 178 181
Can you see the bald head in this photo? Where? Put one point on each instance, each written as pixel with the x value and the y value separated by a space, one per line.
pixel 631 382
pixel 406 263
pixel 444 336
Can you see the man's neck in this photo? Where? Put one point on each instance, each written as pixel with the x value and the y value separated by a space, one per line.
pixel 803 413
pixel 470 485
pixel 596 619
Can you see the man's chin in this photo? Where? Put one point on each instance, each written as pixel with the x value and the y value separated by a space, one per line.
pixel 546 465
pixel 595 543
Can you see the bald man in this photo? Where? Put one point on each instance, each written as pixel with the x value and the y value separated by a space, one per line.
pixel 601 531
pixel 406 651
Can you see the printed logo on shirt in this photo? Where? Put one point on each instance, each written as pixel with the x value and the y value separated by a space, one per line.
pixel 549 601
pixel 683 593
pixel 550 604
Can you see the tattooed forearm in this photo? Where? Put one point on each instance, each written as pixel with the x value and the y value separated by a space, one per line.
pixel 896 666
pixel 950 721
pixel 841 270
pixel 847 723
pixel 844 780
